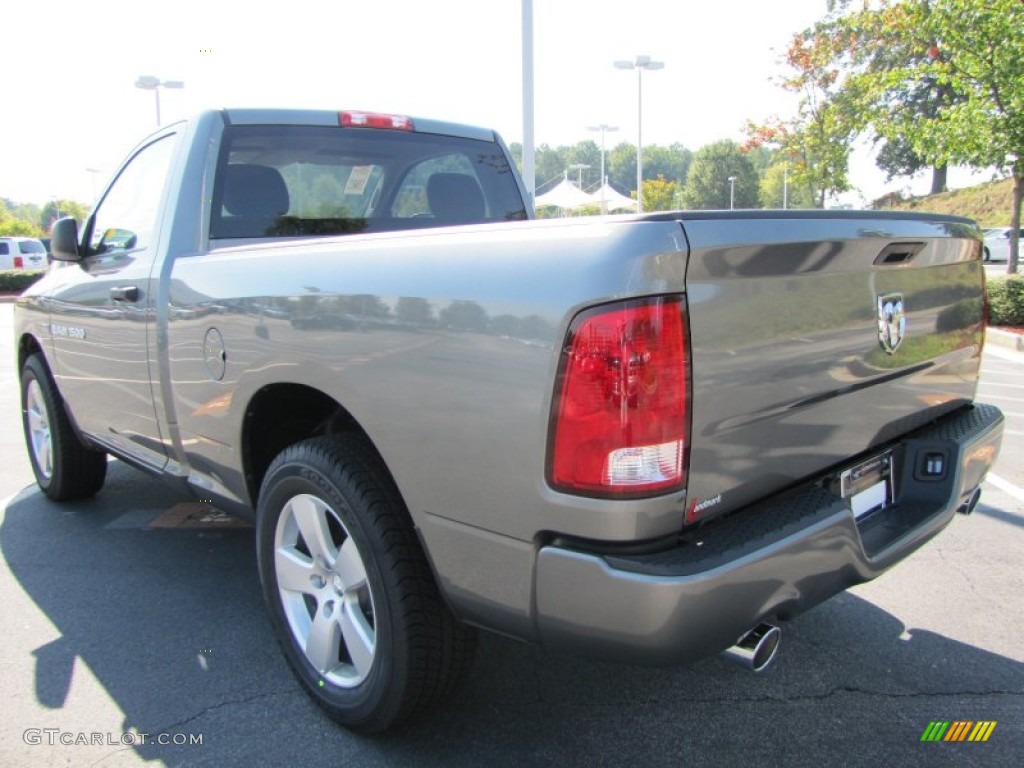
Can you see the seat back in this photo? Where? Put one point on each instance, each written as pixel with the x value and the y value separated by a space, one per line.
pixel 455 198
pixel 254 197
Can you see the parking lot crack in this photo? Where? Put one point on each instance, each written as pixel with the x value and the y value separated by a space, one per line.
pixel 895 695
pixel 169 728
pixel 964 573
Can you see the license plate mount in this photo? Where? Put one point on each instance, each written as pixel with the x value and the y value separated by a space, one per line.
pixel 868 486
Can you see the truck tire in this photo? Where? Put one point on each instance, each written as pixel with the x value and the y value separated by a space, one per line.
pixel 351 597
pixel 65 468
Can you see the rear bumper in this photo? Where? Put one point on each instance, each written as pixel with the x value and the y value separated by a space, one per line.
pixel 772 561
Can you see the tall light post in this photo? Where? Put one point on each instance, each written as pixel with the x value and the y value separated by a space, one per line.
pixel 529 172
pixel 785 186
pixel 640 63
pixel 603 128
pixel 732 192
pixel 92 175
pixel 154 84
pixel 579 168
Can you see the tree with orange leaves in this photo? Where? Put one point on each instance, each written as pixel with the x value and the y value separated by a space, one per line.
pixel 816 141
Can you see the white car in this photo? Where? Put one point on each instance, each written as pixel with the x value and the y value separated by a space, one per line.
pixel 997 243
pixel 22 253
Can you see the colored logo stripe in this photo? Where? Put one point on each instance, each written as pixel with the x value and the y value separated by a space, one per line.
pixel 958 730
pixel 982 731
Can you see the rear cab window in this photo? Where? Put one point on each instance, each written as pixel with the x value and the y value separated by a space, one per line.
pixel 288 180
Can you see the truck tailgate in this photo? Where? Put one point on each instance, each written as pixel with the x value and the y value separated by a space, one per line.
pixel 817 338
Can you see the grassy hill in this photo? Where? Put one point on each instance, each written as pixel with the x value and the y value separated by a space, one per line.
pixel 989 204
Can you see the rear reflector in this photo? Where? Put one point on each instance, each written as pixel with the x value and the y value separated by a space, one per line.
pixel 374 120
pixel 19 263
pixel 619 419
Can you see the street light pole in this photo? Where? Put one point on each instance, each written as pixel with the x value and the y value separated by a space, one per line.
pixel 732 192
pixel 640 63
pixel 92 175
pixel 603 128
pixel 785 186
pixel 529 151
pixel 154 84
pixel 579 168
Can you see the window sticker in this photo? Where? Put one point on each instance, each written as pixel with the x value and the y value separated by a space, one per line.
pixel 356 183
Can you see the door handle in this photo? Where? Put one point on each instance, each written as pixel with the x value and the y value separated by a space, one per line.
pixel 125 293
pixel 898 253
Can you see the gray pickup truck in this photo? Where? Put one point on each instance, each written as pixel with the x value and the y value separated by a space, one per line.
pixel 647 438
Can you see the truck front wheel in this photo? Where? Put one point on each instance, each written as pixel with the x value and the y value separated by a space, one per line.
pixel 64 467
pixel 351 597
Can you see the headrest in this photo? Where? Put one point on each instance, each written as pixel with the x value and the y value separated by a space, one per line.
pixel 254 191
pixel 455 196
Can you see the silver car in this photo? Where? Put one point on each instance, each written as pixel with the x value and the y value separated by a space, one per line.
pixel 997 243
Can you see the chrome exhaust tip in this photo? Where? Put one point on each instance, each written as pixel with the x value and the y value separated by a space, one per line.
pixel 756 649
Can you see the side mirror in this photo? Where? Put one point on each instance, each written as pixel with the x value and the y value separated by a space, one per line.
pixel 64 240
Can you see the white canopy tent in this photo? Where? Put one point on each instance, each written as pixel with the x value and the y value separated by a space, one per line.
pixel 613 200
pixel 568 196
pixel 565 195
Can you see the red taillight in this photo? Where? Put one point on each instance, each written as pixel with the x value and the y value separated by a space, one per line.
pixel 19 263
pixel 374 120
pixel 620 422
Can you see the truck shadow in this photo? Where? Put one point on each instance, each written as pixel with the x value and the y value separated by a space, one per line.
pixel 171 623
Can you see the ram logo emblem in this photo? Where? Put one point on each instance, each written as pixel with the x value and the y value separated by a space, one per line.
pixel 892 321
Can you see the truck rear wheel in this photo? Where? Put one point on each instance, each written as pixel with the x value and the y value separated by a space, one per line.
pixel 64 467
pixel 351 597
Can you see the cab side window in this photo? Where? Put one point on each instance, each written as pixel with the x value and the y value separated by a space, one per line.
pixel 126 219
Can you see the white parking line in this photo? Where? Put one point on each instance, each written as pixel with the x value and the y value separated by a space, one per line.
pixel 1004 354
pixel 1006 486
pixel 988 374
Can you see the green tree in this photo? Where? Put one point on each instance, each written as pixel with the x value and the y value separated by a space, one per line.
pixel 975 48
pixel 672 162
pixel 660 195
pixel 13 226
pixel 549 166
pixel 620 165
pixel 56 209
pixel 584 153
pixel 30 212
pixel 817 139
pixel 778 192
pixel 707 184
pixel 879 46
pixel 552 164
pixel 516 150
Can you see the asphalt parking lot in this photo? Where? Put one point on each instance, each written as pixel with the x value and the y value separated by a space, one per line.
pixel 115 626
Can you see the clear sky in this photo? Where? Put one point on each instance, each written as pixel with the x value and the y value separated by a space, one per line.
pixel 70 103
